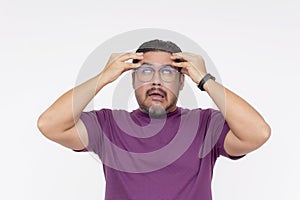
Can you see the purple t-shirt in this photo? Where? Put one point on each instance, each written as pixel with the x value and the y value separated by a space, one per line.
pixel 157 159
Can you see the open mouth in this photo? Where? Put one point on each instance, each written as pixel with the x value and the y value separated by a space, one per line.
pixel 156 95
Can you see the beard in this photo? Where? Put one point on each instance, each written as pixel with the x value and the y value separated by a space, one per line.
pixel 157 110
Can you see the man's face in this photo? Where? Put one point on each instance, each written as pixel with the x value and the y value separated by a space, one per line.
pixel 157 95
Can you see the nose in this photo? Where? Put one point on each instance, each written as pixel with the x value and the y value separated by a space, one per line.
pixel 156 79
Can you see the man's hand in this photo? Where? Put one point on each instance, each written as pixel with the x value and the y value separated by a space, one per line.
pixel 61 121
pixel 191 64
pixel 248 130
pixel 117 64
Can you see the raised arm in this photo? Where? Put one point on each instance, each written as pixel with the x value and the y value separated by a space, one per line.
pixel 61 121
pixel 248 129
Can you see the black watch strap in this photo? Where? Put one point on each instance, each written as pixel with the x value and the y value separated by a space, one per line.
pixel 204 79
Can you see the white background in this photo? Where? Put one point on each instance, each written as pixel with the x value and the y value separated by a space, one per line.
pixel 255 46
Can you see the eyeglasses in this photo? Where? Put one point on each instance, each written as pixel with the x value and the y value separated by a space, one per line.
pixel 146 72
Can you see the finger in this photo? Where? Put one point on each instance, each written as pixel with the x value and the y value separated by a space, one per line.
pixel 178 57
pixel 180 64
pixel 130 66
pixel 127 56
pixel 177 60
pixel 115 56
pixel 183 55
pixel 135 65
pixel 184 71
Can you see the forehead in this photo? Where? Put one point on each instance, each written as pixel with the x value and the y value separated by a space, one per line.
pixel 157 57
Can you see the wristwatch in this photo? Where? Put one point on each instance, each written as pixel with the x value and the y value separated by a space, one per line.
pixel 204 79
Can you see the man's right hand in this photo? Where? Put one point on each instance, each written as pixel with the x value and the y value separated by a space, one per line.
pixel 61 121
pixel 117 64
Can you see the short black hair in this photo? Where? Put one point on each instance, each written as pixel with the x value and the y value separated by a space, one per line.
pixel 158 45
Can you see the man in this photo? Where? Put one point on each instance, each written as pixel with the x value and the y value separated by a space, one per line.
pixel 159 151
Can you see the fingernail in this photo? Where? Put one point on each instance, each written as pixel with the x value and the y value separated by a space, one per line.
pixel 139 53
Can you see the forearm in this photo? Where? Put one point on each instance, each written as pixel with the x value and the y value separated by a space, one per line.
pixel 66 110
pixel 244 121
pixel 248 130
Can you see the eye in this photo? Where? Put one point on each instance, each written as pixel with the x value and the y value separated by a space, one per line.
pixel 145 70
pixel 168 70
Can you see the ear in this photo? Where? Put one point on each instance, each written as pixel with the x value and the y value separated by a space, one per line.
pixel 181 81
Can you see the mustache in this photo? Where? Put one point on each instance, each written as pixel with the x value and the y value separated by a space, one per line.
pixel 156 89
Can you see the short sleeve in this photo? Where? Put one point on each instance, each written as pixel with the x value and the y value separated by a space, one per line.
pixel 220 129
pixel 91 120
pixel 220 144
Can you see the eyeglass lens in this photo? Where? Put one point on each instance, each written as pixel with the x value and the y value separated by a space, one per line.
pixel 145 73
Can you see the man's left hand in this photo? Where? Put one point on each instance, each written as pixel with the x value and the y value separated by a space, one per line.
pixel 191 64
